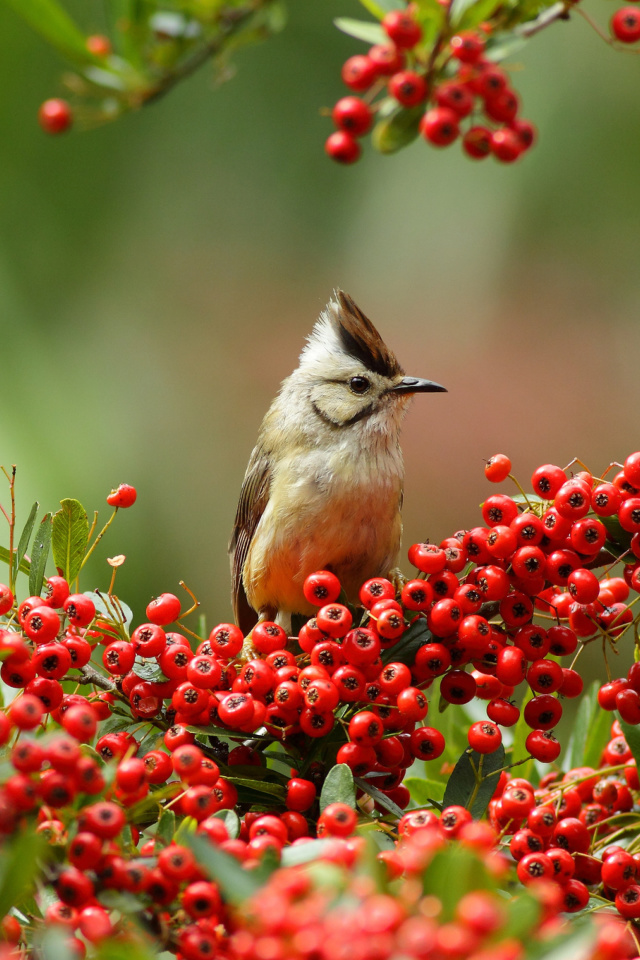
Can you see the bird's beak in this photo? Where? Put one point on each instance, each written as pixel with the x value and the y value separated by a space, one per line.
pixel 417 385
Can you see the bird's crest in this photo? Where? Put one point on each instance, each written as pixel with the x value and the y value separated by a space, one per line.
pixel 359 337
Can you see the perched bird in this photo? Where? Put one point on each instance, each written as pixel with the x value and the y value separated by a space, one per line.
pixel 323 488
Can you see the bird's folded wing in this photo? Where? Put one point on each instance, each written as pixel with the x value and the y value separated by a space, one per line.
pixel 253 500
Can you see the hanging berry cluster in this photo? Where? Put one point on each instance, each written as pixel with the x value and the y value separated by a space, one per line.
pixel 432 71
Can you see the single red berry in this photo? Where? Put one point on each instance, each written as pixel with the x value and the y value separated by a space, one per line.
pixel 79 609
pixel 99 45
pixel 427 743
pixel 455 96
pixel 476 143
pixel 359 73
pixel 6 599
pixel 502 107
pixel 337 820
pixel 54 116
pixel 402 29
pixel 122 496
pixel 527 134
pixel 148 640
pixel 41 624
pixel 543 746
pixel 386 58
pixel 354 116
pixel 164 609
pixel 632 463
pixel 408 87
pixel 625 25
pixel 467 47
pixel 484 736
pixel 440 126
pixel 506 145
pixel 342 147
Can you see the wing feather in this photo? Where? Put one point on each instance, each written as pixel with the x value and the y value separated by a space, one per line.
pixel 254 497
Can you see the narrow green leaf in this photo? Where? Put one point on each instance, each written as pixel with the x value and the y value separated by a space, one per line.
pixel 70 537
pixel 53 945
pixel 454 872
pixel 457 11
pixel 477 12
pixel 25 566
pixel 237 885
pixel 40 555
pixel 519 752
pixel 25 537
pixel 19 868
pixel 462 788
pixel 377 795
pixel 597 739
pixel 580 730
pixel 361 30
pixel 423 791
pixel 54 24
pixel 338 787
pixel 259 786
pixel 404 651
pixel 378 8
pixel 166 826
pixel 395 132
pixel 231 822
pixel 305 853
pixel 632 736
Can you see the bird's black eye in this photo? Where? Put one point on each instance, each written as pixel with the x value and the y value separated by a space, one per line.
pixel 359 384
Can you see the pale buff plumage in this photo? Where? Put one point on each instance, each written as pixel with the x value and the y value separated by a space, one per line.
pixel 323 488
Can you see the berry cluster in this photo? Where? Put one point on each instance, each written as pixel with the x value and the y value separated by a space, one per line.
pixel 126 751
pixel 440 102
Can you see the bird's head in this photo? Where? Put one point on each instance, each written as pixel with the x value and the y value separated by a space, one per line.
pixel 348 372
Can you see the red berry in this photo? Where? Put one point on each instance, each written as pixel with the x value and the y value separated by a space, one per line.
pixel 440 126
pixel 359 73
pixel 79 609
pixel 484 736
pixel 6 599
pixel 353 116
pixel 164 609
pixel 337 820
pixel 502 107
pixel 402 29
pixel 122 496
pixel 467 47
pixel 543 746
pixel 632 463
pixel 386 58
pixel 625 25
pixel 54 116
pixel 408 87
pixel 455 96
pixel 506 145
pixel 476 143
pixel 341 146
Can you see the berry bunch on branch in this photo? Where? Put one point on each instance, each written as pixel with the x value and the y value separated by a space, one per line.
pixel 432 70
pixel 207 795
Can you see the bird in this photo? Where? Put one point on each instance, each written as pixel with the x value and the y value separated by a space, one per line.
pixel 323 488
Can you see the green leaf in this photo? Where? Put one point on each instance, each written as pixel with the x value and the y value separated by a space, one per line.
pixel 259 786
pixel 454 872
pixel 338 787
pixel 590 731
pixel 237 885
pixel 378 8
pixel 404 651
pixel 149 670
pixel 522 917
pixel 361 30
pixel 462 788
pixel 70 538
pixel 25 537
pixel 305 853
pixel 25 566
pixel 392 134
pixel 19 867
pixel 231 822
pixel 166 826
pixel 423 791
pixel 519 752
pixel 53 945
pixel 379 796
pixel 39 555
pixel 632 736
pixel 476 11
pixel 54 24
pixel 500 50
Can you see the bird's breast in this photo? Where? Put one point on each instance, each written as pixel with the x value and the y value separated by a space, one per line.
pixel 339 509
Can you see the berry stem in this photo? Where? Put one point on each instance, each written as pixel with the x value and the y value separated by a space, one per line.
pixel 98 538
pixel 196 602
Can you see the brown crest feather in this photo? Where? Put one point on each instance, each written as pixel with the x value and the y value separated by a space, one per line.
pixel 361 340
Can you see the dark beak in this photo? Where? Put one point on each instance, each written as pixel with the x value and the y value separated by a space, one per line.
pixel 417 385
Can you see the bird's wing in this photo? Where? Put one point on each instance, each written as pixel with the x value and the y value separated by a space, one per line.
pixel 253 500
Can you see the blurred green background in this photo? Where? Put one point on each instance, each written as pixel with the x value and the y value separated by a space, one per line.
pixel 158 277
